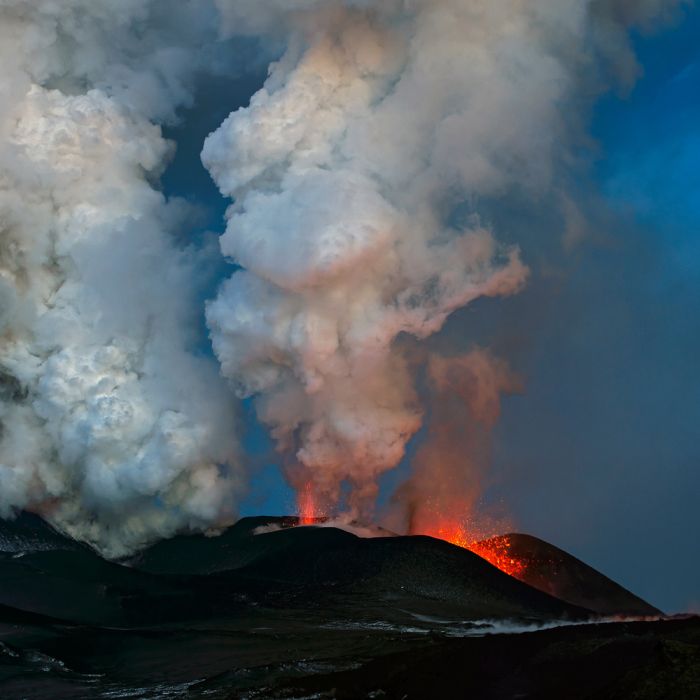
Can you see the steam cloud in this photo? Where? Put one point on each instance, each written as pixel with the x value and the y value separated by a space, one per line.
pixel 112 426
pixel 357 175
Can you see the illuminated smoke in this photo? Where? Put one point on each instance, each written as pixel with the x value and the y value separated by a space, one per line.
pixel 112 426
pixel 450 469
pixel 357 175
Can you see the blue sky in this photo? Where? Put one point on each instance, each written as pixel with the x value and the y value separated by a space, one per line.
pixel 651 140
pixel 601 454
pixel 613 400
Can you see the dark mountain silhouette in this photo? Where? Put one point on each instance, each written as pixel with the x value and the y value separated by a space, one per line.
pixel 234 548
pixel 644 660
pixel 195 577
pixel 268 609
pixel 30 533
pixel 322 560
pixel 554 571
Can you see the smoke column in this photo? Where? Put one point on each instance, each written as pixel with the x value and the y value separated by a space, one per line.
pixel 450 468
pixel 112 426
pixel 356 176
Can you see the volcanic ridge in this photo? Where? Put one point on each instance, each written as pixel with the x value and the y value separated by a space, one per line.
pixel 271 609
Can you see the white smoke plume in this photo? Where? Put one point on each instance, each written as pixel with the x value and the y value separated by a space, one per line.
pixel 112 425
pixel 357 174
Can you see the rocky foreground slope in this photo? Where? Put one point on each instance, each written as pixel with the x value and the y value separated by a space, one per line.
pixel 271 610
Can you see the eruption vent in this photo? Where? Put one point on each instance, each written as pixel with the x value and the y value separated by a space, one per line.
pixel 497 551
pixel 310 512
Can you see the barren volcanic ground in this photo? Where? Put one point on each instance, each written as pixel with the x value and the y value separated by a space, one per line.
pixel 268 610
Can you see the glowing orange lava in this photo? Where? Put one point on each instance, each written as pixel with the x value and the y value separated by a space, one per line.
pixel 496 551
pixel 309 510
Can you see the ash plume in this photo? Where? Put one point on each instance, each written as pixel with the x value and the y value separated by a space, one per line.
pixel 357 175
pixel 450 469
pixel 112 426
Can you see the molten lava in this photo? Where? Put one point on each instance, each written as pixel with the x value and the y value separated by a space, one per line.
pixel 309 510
pixel 496 551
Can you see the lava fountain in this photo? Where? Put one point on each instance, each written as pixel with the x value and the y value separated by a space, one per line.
pixel 309 510
pixel 496 551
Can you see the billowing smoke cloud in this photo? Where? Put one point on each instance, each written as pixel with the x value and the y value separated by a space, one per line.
pixel 112 425
pixel 357 175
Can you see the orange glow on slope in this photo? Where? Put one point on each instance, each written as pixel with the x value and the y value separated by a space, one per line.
pixel 307 506
pixel 496 552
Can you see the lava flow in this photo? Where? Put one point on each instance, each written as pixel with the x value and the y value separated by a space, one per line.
pixel 495 551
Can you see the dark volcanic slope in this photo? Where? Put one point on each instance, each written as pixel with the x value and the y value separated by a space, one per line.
pixel 82 587
pixel 314 562
pixel 305 611
pixel 29 533
pixel 562 575
pixel 294 568
pixel 199 554
pixel 47 573
pixel 642 660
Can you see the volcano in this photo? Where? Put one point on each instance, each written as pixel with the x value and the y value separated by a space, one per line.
pixel 272 609
pixel 552 570
pixel 310 563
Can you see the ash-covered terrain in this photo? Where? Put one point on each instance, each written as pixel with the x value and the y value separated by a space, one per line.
pixel 271 610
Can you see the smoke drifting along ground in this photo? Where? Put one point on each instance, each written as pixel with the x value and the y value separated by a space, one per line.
pixel 356 176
